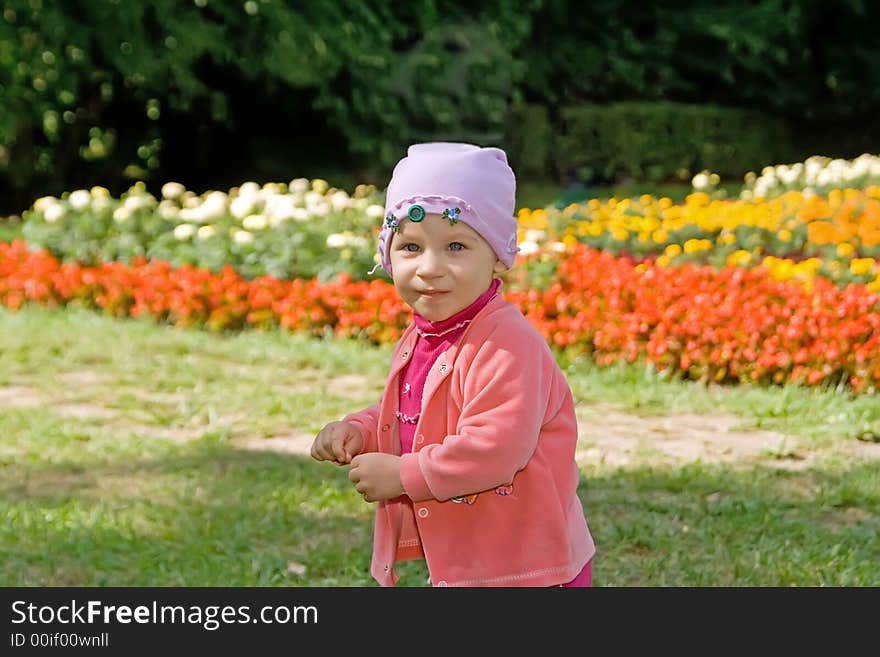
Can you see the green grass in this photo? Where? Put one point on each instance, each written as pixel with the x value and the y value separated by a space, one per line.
pixel 126 459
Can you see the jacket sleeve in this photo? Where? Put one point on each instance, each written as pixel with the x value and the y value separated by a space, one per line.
pixel 506 390
pixel 367 421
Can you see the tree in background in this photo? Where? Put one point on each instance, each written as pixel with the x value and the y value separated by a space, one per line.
pixel 211 92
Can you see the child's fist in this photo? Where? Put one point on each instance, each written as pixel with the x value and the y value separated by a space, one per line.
pixel 338 442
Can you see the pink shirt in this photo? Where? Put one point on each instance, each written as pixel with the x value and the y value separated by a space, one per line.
pixel 433 339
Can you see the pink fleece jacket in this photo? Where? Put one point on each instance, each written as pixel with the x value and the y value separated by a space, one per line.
pixel 492 475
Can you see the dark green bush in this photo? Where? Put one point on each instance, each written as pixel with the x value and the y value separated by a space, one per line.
pixel 529 141
pixel 662 141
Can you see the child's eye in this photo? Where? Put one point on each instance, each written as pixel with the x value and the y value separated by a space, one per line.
pixel 410 247
pixel 456 246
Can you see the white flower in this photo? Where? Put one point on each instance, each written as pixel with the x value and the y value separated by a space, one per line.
pixel 242 206
pixel 184 231
pixel 346 239
pixel 535 235
pixel 205 232
pixel 138 202
pixel 319 209
pixel 168 209
pixel 79 200
pixel 214 206
pixel 298 185
pixel 249 189
pixel 558 247
pixel 43 203
pixel 255 222
pixel 312 198
pixel 190 200
pixel 700 181
pixel 375 211
pixel 242 237
pixel 172 190
pixel 100 204
pixel 320 185
pixel 279 209
pixel 53 213
pixel 339 200
pixel 300 214
pixel 528 247
pixel 121 213
pixel 336 240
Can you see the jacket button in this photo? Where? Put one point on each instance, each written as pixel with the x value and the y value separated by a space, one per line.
pixel 404 355
pixel 420 438
pixel 442 583
pixel 386 427
pixel 423 512
pixel 442 367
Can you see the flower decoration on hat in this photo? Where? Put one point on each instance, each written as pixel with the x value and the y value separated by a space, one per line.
pixel 392 222
pixel 452 215
pixel 416 213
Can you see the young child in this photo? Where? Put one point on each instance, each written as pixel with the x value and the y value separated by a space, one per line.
pixel 470 451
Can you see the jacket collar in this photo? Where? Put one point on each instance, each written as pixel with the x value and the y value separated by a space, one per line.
pixel 408 340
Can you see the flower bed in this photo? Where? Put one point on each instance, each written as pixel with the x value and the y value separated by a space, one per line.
pixel 796 235
pixel 306 229
pixel 732 324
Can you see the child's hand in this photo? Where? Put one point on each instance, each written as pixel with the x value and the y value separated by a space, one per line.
pixel 376 476
pixel 338 442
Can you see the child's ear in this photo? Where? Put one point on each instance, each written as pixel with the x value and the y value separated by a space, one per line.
pixel 499 267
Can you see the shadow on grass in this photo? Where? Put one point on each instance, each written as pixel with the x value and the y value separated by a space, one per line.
pixel 215 515
pixel 212 516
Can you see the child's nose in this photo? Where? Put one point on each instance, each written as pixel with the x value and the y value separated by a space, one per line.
pixel 430 264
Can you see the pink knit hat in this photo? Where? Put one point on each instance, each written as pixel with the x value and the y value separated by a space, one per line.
pixel 464 182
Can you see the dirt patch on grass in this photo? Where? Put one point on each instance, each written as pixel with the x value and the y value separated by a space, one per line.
pixel 21 397
pixel 607 436
pixel 614 438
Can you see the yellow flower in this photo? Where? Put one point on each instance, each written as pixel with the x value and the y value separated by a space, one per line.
pixel 859 266
pixel 845 249
pixel 695 246
pixel 660 236
pixel 663 261
pixel 672 251
pixel 739 258
pixel 727 238
pixel 784 235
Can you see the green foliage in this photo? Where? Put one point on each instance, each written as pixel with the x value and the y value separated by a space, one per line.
pixel 800 58
pixel 529 140
pixel 107 92
pixel 662 141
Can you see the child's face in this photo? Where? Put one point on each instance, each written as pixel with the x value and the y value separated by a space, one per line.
pixel 440 269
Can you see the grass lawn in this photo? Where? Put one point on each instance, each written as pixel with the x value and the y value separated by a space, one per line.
pixel 131 455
